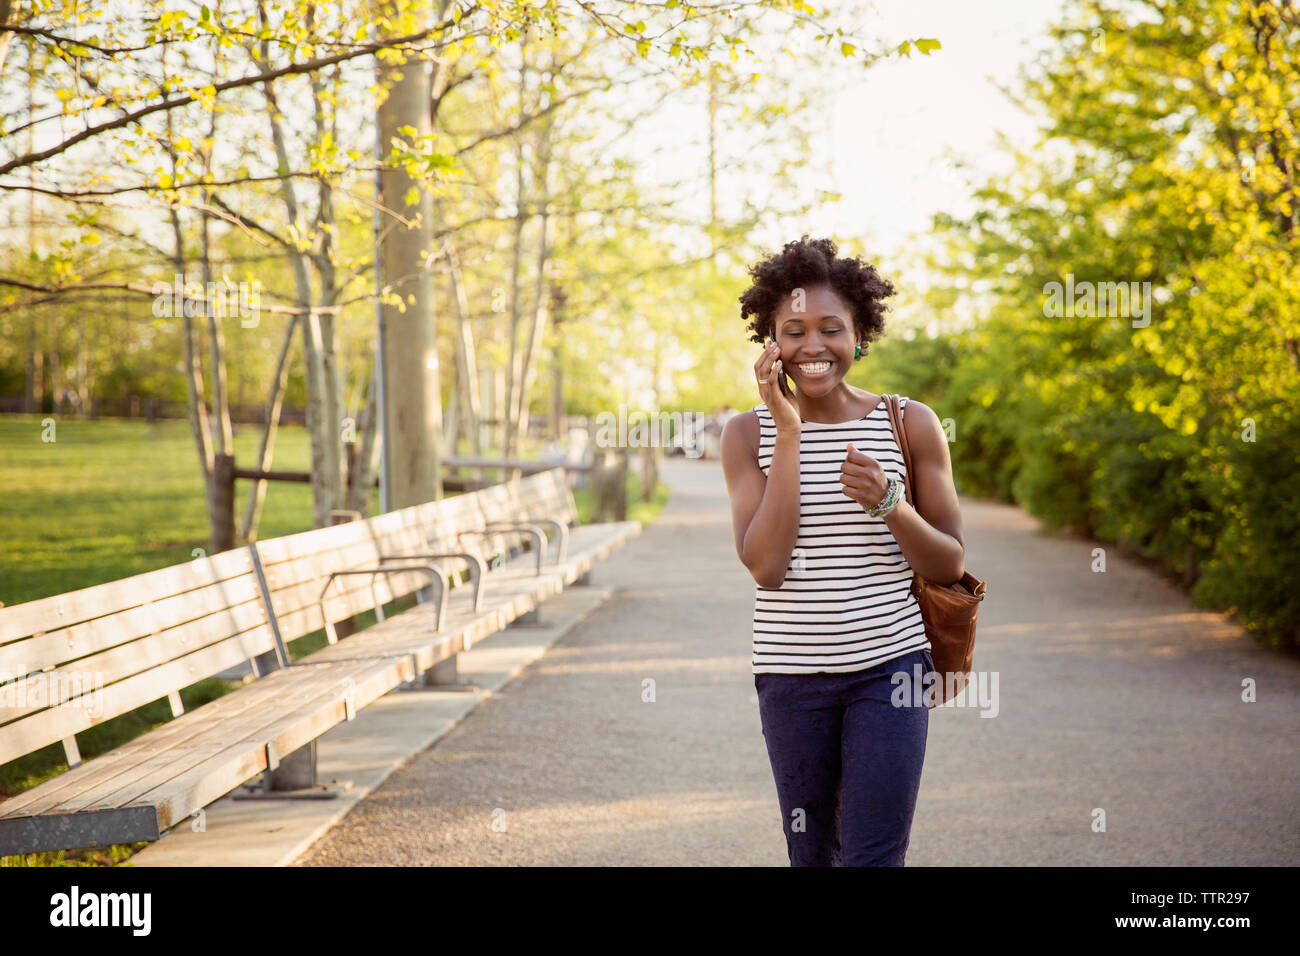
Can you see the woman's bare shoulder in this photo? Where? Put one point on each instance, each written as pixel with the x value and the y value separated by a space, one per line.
pixel 744 426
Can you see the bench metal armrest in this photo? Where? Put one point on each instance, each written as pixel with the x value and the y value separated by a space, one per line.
pixel 561 534
pixel 477 568
pixel 537 534
pixel 434 575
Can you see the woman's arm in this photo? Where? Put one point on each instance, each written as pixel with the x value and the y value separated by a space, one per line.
pixel 764 509
pixel 931 538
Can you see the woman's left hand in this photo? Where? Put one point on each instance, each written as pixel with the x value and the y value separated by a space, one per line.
pixel 863 479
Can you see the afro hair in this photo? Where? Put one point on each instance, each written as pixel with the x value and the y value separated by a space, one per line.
pixel 806 264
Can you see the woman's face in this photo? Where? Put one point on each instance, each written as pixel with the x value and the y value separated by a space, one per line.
pixel 814 330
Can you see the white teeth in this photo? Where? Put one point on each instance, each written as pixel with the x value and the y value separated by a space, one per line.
pixel 815 368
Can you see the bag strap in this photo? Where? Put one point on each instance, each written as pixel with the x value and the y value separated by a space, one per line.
pixel 972 585
pixel 900 436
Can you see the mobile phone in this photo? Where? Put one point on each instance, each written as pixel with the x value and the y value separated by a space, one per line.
pixel 780 378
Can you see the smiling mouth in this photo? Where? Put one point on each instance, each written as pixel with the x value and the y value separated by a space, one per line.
pixel 814 369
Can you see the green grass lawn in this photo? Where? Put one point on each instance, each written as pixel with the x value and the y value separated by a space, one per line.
pixel 114 498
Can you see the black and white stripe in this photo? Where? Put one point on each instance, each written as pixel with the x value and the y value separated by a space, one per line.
pixel 846 603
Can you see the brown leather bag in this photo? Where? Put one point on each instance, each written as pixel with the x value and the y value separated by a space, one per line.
pixel 949 610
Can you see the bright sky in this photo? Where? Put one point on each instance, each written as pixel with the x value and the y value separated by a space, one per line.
pixel 893 130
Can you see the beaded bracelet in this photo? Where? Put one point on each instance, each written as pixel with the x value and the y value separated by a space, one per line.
pixel 892 495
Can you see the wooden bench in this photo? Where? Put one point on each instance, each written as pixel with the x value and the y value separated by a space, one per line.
pixel 546 495
pixel 109 649
pixel 317 579
pixel 487 529
pixel 147 637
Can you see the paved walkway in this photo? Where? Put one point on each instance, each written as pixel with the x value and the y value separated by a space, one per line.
pixel 1113 695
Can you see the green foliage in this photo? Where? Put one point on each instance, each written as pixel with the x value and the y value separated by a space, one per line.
pixel 1170 427
pixel 1252 569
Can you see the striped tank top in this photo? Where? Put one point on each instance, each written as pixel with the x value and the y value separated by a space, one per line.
pixel 846 602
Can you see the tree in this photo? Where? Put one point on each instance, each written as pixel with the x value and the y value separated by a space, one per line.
pixel 1164 419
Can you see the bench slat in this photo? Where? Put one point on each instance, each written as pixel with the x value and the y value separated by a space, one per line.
pixel 136 657
pixel 198 787
pixel 67 786
pixel 23 620
pixel 123 787
pixel 27 734
pixel 114 628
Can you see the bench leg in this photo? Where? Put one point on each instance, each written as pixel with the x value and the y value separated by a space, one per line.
pixel 294 778
pixel 297 771
pixel 444 672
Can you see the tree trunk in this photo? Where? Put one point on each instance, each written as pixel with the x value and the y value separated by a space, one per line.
pixel 56 366
pixel 514 368
pixel 222 430
pixel 332 385
pixel 35 387
pixel 223 502
pixel 649 470
pixel 451 418
pixel 412 396
pixel 266 452
pixel 326 438
pixel 501 409
pixel 362 472
pixel 469 409
pixel 540 301
pixel 197 402
pixel 198 409
pixel 83 367
pixel 512 375
pixel 322 429
pixel 609 485
pixel 6 10
pixel 557 396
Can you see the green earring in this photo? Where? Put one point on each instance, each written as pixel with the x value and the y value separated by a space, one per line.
pixel 857 351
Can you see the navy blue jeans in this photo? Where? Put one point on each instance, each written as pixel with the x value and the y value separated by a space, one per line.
pixel 846 760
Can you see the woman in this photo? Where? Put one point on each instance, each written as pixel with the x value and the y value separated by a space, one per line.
pixel 820 521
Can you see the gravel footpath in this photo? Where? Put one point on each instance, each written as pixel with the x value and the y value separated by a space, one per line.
pixel 635 740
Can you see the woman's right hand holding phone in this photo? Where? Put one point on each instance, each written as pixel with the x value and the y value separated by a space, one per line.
pixel 774 392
